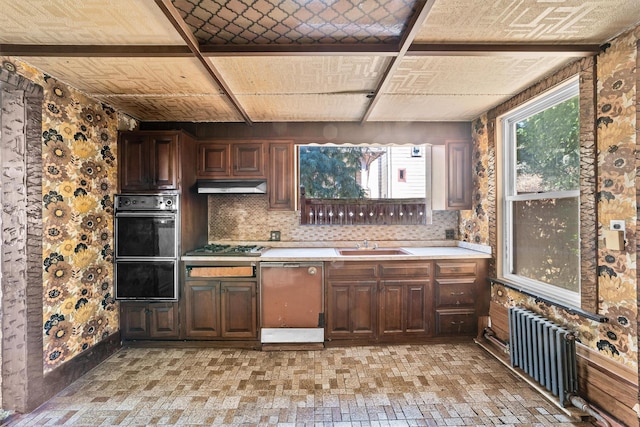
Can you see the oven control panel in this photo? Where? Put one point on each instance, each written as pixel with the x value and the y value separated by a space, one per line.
pixel 146 202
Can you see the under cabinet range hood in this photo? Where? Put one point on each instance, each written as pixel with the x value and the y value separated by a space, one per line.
pixel 232 186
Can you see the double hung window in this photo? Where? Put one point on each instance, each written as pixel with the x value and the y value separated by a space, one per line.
pixel 541 188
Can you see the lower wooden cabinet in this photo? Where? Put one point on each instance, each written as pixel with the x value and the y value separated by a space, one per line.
pixel 404 300
pixel 152 320
pixel 351 309
pixel 219 309
pixel 457 294
pixel 456 322
pixel 405 308
pixel 377 301
pixel 239 316
pixel 202 309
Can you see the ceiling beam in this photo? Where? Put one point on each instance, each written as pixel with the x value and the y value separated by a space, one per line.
pixel 181 27
pixel 88 51
pixel 181 51
pixel 472 49
pixel 413 27
pixel 364 49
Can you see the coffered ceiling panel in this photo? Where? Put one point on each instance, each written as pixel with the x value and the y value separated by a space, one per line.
pixel 472 75
pixel 419 108
pixel 109 22
pixel 304 107
pixel 151 76
pixel 304 75
pixel 194 108
pixel 552 21
pixel 241 22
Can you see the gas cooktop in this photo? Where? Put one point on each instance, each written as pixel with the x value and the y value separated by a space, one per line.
pixel 228 250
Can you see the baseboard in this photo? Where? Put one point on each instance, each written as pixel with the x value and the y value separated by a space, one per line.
pixel 56 380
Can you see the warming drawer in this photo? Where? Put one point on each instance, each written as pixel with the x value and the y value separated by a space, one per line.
pixel 292 302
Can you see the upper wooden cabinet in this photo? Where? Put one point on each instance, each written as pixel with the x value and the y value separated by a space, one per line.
pixel 218 159
pixel 459 184
pixel 281 181
pixel 148 161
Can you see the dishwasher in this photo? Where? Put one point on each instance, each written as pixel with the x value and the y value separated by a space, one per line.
pixel 291 302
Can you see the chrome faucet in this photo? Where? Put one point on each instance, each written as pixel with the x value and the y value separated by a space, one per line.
pixel 365 244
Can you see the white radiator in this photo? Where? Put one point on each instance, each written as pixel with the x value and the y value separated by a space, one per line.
pixel 545 351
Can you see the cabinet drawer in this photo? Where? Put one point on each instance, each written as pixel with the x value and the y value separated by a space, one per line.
pixel 456 268
pixel 456 322
pixel 455 292
pixel 405 269
pixel 339 270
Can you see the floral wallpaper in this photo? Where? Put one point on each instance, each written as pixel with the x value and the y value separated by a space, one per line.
pixel 474 224
pixel 616 145
pixel 616 199
pixel 79 138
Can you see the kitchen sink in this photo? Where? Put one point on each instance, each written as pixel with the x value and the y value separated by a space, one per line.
pixel 369 252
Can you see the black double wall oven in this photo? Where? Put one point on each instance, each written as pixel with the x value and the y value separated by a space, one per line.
pixel 147 247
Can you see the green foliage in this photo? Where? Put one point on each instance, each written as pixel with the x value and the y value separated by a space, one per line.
pixel 330 172
pixel 548 151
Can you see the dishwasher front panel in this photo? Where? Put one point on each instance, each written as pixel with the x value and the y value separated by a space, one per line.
pixel 292 295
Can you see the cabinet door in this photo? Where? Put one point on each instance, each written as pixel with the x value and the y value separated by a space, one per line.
pixel 351 309
pixel 248 160
pixel 281 180
pixel 239 309
pixel 459 168
pixel 405 308
pixel 133 162
pixel 163 320
pixel 163 162
pixel 391 306
pixel 214 160
pixel 202 309
pixel 134 321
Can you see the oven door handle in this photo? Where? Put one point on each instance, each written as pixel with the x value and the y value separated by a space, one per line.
pixel 145 214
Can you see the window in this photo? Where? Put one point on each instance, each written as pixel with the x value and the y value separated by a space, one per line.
pixel 357 172
pixel 364 184
pixel 540 218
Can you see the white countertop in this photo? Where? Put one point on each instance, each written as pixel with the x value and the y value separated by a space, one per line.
pixel 331 254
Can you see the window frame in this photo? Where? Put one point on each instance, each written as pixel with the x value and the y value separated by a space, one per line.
pixel 508 121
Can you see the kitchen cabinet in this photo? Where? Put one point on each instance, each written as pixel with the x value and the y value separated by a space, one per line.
pixel 219 307
pixel 239 317
pixel 405 308
pixel 226 160
pixel 148 161
pixel 149 320
pixel 459 185
pixel 202 313
pixel 456 293
pixel 351 300
pixel 281 181
pixel 404 300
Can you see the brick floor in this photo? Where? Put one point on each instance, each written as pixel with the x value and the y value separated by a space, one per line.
pixel 400 385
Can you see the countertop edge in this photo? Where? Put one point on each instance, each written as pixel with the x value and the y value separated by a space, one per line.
pixel 322 255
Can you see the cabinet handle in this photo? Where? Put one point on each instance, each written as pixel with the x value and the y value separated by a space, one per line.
pixel 461 322
pixel 456 294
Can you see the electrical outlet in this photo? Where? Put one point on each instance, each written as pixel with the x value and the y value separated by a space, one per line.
pixel 449 234
pixel 275 236
pixel 618 225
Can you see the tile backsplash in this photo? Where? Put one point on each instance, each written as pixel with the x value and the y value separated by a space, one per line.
pixel 246 217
